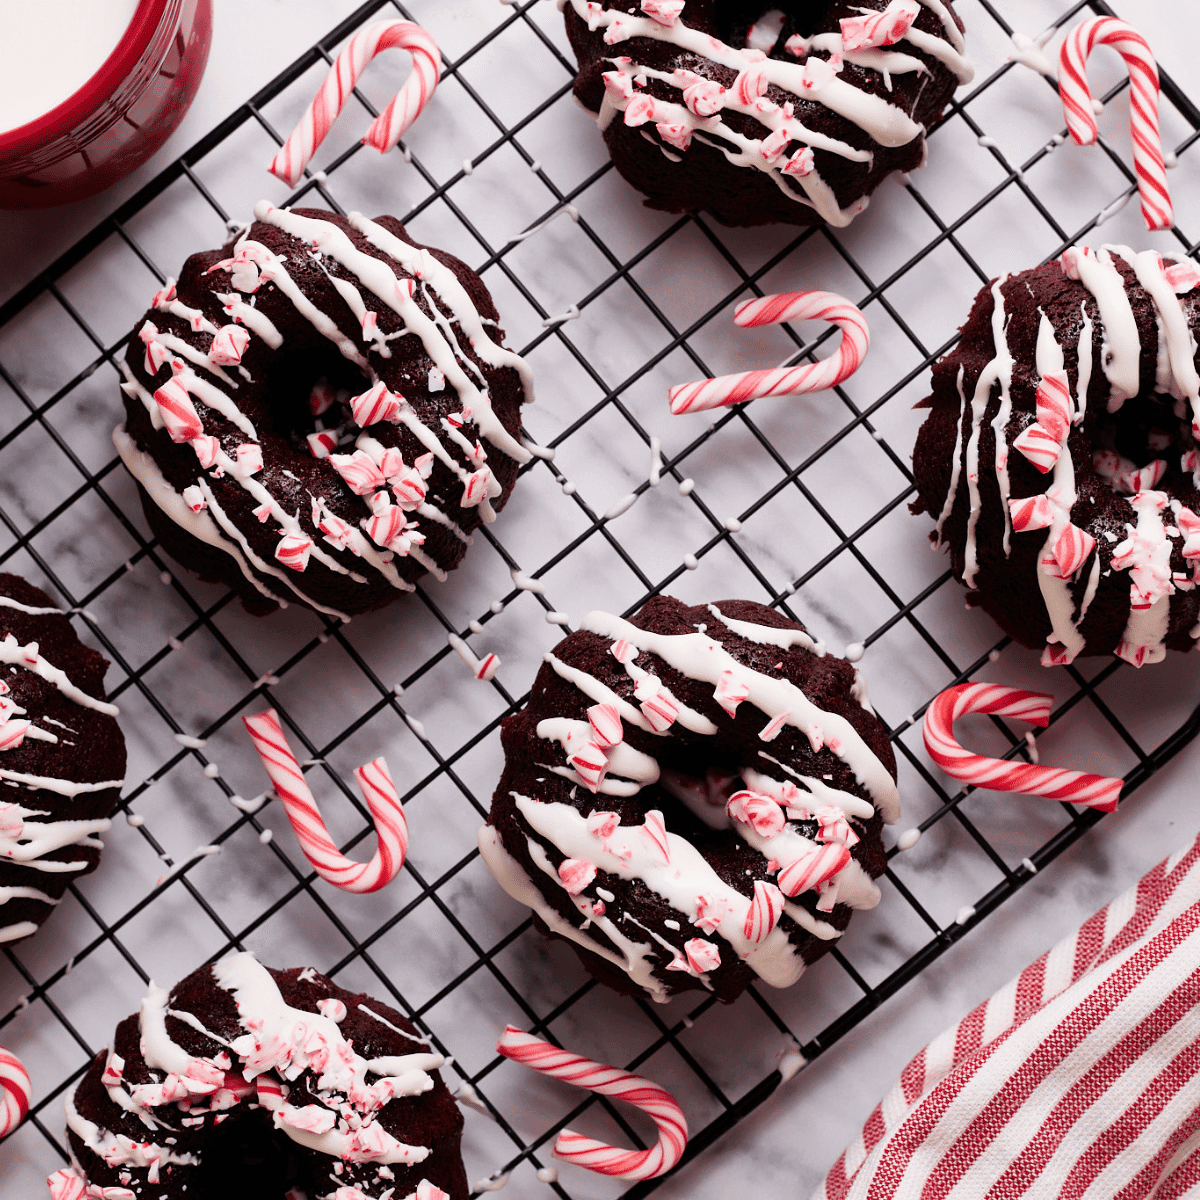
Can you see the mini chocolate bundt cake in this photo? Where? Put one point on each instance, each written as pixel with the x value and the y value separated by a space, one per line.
pixel 321 411
pixel 245 1083
pixel 765 110
pixel 693 797
pixel 62 757
pixel 1086 540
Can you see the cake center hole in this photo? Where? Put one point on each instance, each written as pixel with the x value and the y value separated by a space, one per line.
pixel 314 391
pixel 1147 443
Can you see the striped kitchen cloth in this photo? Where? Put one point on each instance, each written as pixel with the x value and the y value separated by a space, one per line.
pixel 1081 1078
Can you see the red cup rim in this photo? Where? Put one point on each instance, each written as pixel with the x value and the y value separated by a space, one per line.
pixel 115 69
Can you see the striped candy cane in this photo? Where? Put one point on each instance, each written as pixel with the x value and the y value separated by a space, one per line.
pixel 1143 106
pixel 572 1147
pixel 784 381
pixel 378 790
pixel 15 1092
pixel 1072 787
pixel 388 128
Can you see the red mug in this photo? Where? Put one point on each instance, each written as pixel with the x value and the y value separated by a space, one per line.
pixel 118 118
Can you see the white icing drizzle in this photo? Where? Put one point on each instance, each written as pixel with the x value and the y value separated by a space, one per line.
pixel 956 460
pixel 222 521
pixel 883 121
pixel 13 653
pixel 701 658
pixel 119 1150
pixel 629 854
pixel 601 693
pixel 380 279
pixel 999 370
pixel 446 284
pixel 198 321
pixel 1147 552
pixel 186 350
pixel 768 635
pixel 1122 348
pixel 634 957
pixel 1056 592
pixel 246 314
pixel 9 602
pixel 27 842
pixel 1084 354
pixel 1176 334
pixel 438 283
pixel 199 524
pixel 284 1042
pixel 636 769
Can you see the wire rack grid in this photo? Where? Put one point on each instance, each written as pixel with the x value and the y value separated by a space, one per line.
pixel 799 504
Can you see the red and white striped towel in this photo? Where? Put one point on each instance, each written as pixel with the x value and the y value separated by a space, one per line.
pixel 1081 1078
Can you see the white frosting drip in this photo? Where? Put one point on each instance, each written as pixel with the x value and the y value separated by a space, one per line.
pixel 637 770
pixel 380 279
pixel 999 370
pixel 246 314
pixel 1176 334
pixel 1084 354
pixel 885 122
pixel 9 602
pixel 118 1150
pixel 634 957
pixel 288 1042
pixel 12 653
pixel 630 854
pixel 199 524
pixel 1149 549
pixel 36 839
pixel 701 658
pixel 1122 347
pixel 956 460
pixel 768 635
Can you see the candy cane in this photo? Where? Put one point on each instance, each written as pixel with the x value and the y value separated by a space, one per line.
pixel 1072 787
pixel 389 126
pixel 784 381
pixel 657 1103
pixel 378 790
pixel 15 1091
pixel 1143 106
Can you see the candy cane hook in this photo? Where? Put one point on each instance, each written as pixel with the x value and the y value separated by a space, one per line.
pixel 784 381
pixel 378 790
pixel 388 128
pixel 1072 787
pixel 1143 106
pixel 15 1092
pixel 572 1147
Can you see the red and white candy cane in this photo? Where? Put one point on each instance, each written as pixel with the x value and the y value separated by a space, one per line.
pixel 572 1147
pixel 15 1092
pixel 783 381
pixel 388 128
pixel 1148 160
pixel 378 790
pixel 1055 783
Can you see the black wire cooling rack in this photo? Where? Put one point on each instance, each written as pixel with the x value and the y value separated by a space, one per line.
pixel 802 506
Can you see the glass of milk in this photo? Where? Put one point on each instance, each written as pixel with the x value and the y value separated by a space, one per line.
pixel 90 89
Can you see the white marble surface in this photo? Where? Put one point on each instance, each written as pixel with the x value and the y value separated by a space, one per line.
pixel 786 1145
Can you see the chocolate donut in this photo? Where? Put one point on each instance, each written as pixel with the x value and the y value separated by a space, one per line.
pixel 321 411
pixel 1060 460
pixel 693 797
pixel 246 1081
pixel 62 757
pixel 710 106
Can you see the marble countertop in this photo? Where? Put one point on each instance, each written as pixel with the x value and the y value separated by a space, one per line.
pixel 785 1146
